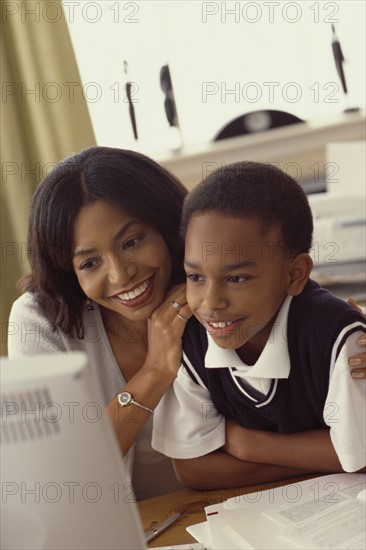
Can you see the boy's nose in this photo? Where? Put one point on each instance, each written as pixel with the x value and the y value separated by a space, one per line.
pixel 212 301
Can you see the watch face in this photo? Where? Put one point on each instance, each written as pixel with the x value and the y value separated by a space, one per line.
pixel 125 398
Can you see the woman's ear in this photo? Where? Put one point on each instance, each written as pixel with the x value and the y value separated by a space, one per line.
pixel 299 272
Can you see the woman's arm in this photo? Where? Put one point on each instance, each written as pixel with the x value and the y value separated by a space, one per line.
pixel 30 332
pixel 149 384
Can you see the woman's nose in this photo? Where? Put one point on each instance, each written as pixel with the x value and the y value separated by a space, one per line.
pixel 121 271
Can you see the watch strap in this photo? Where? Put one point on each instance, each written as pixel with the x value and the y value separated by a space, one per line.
pixel 131 401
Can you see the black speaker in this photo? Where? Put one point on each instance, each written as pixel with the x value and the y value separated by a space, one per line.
pixel 169 103
pixel 257 121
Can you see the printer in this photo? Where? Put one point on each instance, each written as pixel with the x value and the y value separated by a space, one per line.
pixel 339 241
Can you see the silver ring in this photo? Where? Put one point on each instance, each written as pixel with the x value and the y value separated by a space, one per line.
pixel 176 306
pixel 181 317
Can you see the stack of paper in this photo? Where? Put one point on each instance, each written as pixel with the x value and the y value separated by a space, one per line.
pixel 327 512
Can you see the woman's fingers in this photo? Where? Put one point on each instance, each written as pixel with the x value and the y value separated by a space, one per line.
pixel 166 328
pixel 176 302
pixel 354 305
pixel 357 362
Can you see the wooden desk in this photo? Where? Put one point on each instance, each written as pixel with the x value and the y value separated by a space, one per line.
pixel 155 510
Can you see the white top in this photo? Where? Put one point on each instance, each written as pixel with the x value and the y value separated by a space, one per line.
pixel 202 429
pixel 30 333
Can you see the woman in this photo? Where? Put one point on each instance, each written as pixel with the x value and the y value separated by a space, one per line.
pixel 105 252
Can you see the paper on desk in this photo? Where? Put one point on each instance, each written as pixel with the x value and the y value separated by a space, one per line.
pixel 326 521
pixel 244 529
pixel 251 516
pixel 223 532
pixel 201 532
pixel 293 492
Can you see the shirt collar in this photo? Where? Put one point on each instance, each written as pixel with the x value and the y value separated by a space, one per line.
pixel 274 361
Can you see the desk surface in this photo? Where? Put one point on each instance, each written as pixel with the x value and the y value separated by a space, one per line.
pixel 155 510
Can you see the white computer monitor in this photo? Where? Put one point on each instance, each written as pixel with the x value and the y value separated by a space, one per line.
pixel 63 481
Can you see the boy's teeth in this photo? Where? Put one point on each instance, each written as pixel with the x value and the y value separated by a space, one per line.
pixel 221 324
pixel 135 292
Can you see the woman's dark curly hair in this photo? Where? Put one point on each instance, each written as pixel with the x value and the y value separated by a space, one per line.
pixel 125 179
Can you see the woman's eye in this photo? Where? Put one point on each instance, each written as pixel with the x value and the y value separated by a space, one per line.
pixel 88 264
pixel 131 243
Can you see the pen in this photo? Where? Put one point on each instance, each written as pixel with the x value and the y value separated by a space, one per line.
pixel 129 89
pixel 131 109
pixel 338 58
pixel 160 527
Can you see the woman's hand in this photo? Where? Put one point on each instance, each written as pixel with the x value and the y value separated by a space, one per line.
pixel 165 330
pixel 357 362
pixel 149 384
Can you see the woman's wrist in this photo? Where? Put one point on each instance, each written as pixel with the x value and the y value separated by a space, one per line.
pixel 149 385
pixel 160 371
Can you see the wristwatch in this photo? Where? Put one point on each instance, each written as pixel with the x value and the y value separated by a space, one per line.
pixel 125 398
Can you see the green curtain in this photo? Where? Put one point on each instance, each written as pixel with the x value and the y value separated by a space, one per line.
pixel 44 118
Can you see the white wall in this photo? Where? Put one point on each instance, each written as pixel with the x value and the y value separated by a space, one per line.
pixel 271 55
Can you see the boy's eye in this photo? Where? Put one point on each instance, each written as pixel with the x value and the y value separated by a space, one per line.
pixel 237 279
pixel 193 277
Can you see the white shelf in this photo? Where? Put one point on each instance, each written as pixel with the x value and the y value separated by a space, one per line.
pixel 300 144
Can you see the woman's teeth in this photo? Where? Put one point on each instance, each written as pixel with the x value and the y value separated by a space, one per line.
pixel 221 324
pixel 135 292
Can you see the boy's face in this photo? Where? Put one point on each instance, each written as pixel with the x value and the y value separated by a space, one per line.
pixel 237 279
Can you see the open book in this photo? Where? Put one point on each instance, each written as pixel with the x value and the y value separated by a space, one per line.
pixel 327 512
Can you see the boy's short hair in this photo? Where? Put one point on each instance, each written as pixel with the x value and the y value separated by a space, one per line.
pixel 255 190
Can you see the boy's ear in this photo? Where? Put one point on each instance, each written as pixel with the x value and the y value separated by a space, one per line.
pixel 299 272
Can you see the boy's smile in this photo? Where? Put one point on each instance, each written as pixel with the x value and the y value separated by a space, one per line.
pixel 237 279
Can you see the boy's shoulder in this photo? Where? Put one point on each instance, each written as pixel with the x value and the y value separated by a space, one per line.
pixel 317 313
pixel 316 303
pixel 318 327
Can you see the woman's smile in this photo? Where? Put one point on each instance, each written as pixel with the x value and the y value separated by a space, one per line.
pixel 137 295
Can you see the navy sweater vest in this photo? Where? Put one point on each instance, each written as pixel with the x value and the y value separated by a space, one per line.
pixel 317 323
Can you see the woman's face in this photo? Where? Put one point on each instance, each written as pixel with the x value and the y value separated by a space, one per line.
pixel 121 262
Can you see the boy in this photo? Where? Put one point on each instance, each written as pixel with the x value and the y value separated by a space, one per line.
pixel 274 364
